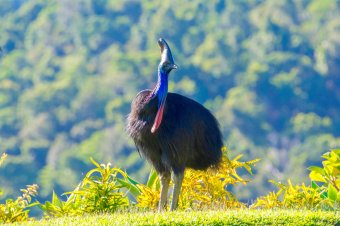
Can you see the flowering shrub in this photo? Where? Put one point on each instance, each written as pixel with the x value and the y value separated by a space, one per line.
pixel 202 189
pixel 326 195
pixel 292 196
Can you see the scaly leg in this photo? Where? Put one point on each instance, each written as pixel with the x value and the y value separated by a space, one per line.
pixel 165 180
pixel 178 178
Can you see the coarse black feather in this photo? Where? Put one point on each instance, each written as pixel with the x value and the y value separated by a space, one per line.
pixel 189 135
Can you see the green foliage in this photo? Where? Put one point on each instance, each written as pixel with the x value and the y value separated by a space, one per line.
pixel 17 210
pixel 150 192
pixel 59 208
pixel 202 189
pixel 99 192
pixel 329 176
pixel 326 195
pixel 292 197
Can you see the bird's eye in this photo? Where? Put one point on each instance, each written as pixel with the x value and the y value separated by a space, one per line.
pixel 166 64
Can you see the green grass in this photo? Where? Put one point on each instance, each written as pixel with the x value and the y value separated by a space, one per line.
pixel 230 217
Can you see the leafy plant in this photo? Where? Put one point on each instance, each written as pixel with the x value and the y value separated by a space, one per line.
pixel 59 208
pixel 18 209
pixel 326 195
pixel 292 196
pixel 150 193
pixel 328 176
pixel 99 191
pixel 201 189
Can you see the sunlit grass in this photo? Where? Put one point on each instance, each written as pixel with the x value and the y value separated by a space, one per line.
pixel 229 217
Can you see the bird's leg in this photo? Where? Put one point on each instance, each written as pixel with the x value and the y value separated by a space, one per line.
pixel 178 178
pixel 165 180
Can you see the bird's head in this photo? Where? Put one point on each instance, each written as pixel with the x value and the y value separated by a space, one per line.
pixel 167 61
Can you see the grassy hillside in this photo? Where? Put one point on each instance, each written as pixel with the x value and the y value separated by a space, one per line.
pixel 232 217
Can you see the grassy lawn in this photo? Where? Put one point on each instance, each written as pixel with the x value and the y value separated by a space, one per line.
pixel 230 217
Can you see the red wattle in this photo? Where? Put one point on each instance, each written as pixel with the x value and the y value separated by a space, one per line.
pixel 158 119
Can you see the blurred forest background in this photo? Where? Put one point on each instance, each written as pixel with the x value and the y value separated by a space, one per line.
pixel 269 70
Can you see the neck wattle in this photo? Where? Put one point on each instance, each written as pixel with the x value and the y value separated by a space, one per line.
pixel 160 91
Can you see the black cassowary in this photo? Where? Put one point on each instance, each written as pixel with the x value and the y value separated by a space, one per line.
pixel 172 131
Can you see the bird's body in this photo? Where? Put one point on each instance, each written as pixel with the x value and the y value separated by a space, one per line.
pixel 172 131
pixel 188 136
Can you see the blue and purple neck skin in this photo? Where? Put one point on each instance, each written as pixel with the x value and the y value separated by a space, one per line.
pixel 161 88
pixel 161 91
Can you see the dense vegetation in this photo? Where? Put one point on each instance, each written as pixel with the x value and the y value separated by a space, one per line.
pixel 269 70
pixel 105 190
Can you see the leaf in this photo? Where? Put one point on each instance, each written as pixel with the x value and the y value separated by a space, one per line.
pixel 324 195
pixel 152 179
pixel 277 184
pixel 131 187
pixel 337 152
pixel 33 204
pixel 317 169
pixel 337 183
pixel 134 182
pixel 332 193
pixel 314 185
pixel 248 168
pixel 253 162
pixel 89 173
pixel 94 162
pixel 316 177
pixel 238 177
pixel 55 200
pixel 238 157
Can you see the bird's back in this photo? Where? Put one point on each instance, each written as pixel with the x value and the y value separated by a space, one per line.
pixel 189 135
pixel 194 130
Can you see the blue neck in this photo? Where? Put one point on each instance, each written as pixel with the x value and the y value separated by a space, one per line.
pixel 161 89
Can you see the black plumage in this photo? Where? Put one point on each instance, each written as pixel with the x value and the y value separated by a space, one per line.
pixel 184 134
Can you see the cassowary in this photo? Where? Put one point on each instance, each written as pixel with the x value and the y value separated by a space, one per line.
pixel 172 131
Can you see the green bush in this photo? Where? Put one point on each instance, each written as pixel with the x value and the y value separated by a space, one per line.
pixel 328 176
pixel 325 196
pixel 292 196
pixel 18 209
pixel 100 191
